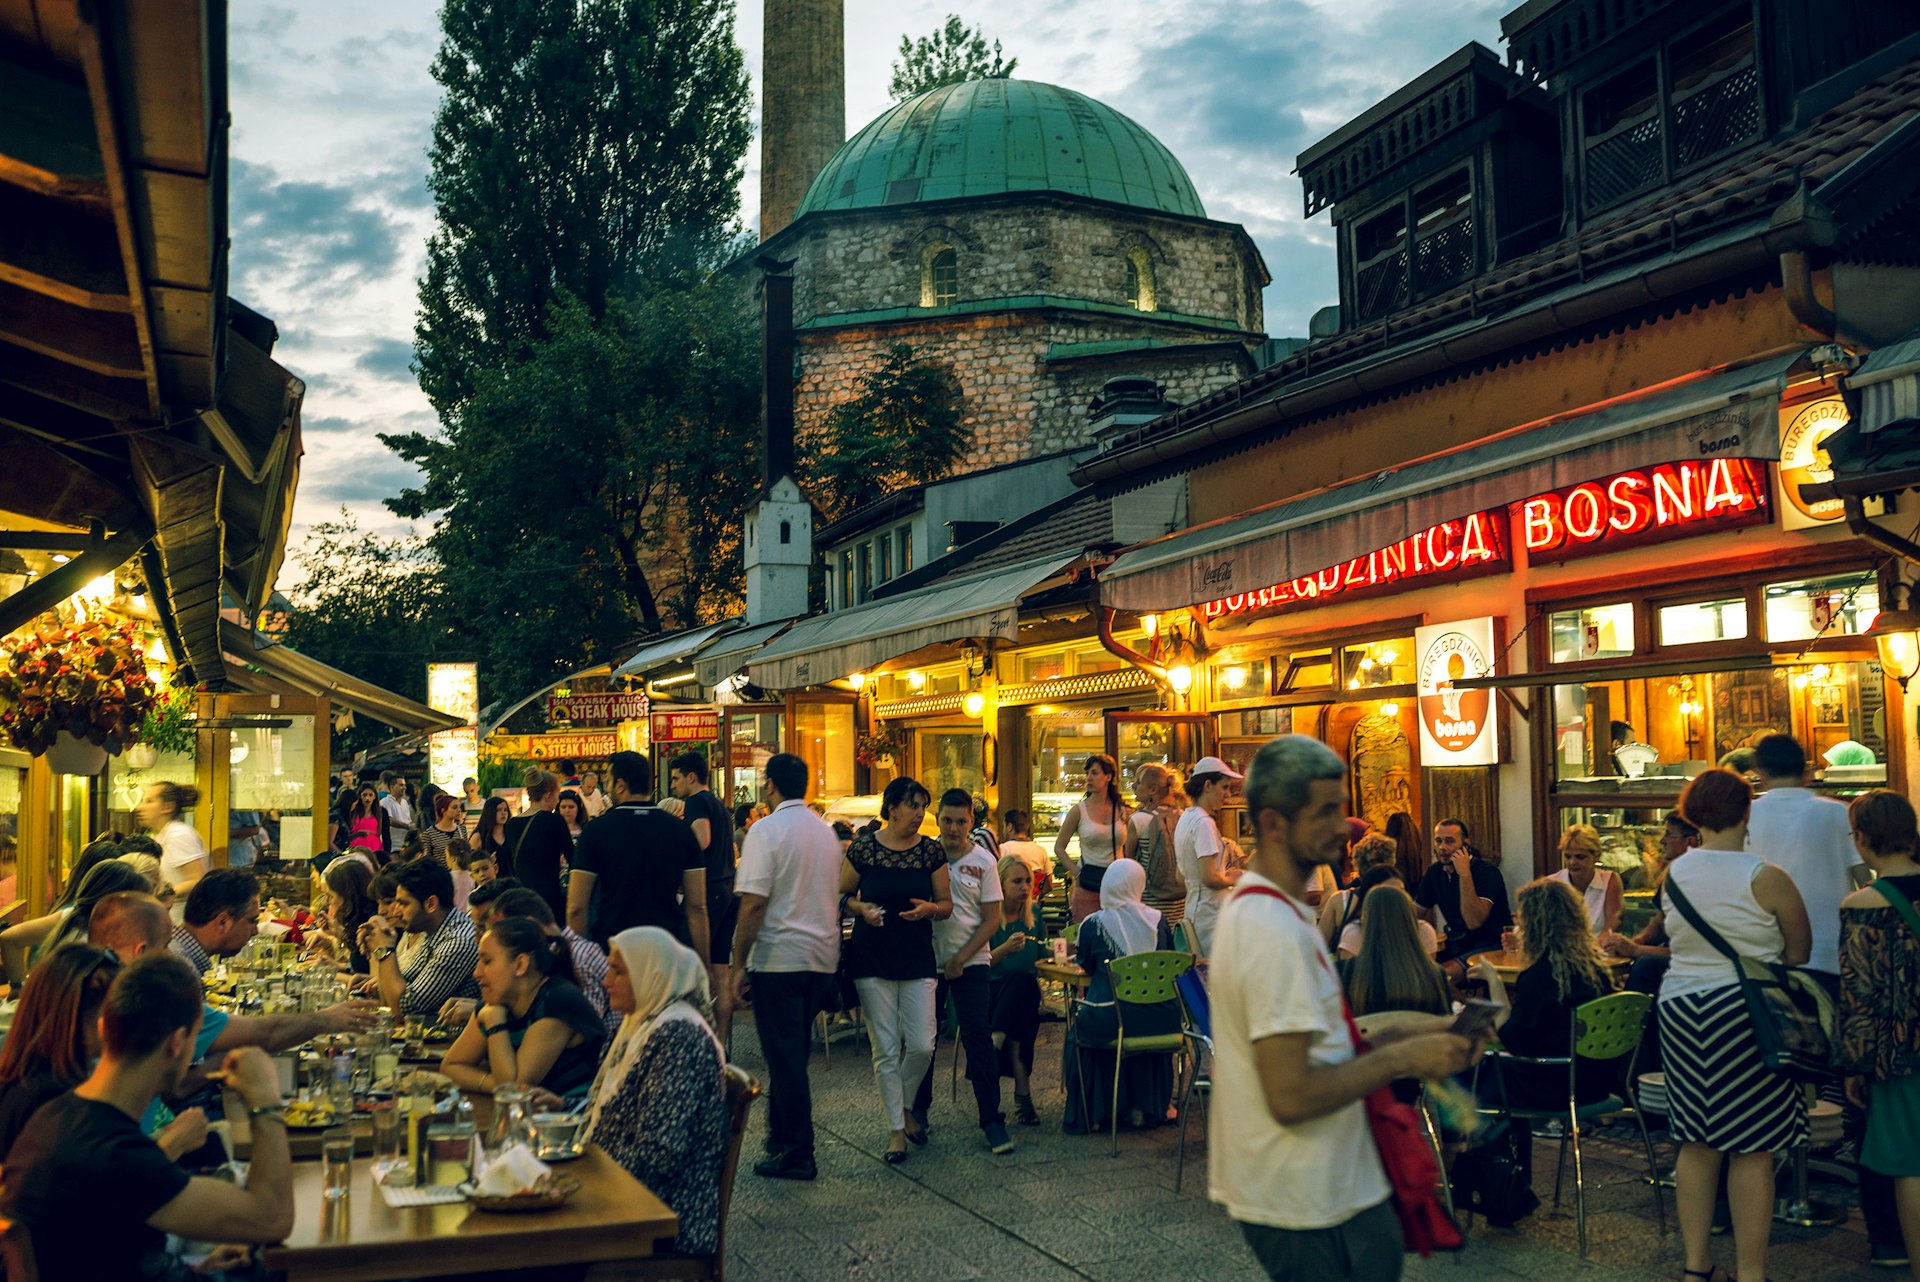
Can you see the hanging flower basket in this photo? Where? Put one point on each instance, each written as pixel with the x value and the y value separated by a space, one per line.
pixel 86 681
pixel 71 756
pixel 872 749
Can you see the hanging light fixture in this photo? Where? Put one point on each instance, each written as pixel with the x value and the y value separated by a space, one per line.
pixel 1896 634
pixel 975 703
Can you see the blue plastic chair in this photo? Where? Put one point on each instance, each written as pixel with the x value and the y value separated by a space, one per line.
pixel 1197 1008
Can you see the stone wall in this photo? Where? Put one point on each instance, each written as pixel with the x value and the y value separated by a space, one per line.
pixel 1017 403
pixel 1023 245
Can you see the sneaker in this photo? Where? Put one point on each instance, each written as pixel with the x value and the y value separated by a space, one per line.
pixel 997 1138
pixel 1023 1111
pixel 1891 1256
pixel 789 1166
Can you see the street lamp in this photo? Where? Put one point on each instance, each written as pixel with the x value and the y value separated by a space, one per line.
pixel 975 703
pixel 1896 633
pixel 1180 677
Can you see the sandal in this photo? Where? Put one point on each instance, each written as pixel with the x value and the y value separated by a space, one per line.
pixel 1696 1273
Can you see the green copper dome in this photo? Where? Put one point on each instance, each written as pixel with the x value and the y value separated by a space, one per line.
pixel 989 137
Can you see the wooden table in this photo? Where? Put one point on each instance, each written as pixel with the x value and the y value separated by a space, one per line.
pixel 362 1239
pixel 1509 965
pixel 303 1143
pixel 1063 973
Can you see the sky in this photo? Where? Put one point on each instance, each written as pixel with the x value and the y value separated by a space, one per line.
pixel 333 107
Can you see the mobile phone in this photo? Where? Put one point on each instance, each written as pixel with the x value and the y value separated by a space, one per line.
pixel 1475 1020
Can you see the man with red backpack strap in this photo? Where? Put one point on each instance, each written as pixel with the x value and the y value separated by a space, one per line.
pixel 1292 1153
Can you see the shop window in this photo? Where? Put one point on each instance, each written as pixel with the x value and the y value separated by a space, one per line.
pixel 1378 663
pixel 1310 670
pixel 1042 667
pixel 752 740
pixel 903 547
pixel 1697 622
pixel 939 276
pixel 1251 680
pixel 824 734
pixel 1061 740
pixel 1837 605
pixel 1088 661
pixel 1596 632
pixel 948 759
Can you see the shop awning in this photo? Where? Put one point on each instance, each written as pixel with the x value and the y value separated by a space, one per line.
pixel 1886 387
pixel 676 648
pixel 284 667
pixel 980 606
pixel 729 653
pixel 1730 414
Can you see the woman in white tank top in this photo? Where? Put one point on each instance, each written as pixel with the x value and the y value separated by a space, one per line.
pixel 1580 852
pixel 1106 833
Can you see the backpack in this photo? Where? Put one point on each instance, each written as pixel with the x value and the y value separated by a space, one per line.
pixel 1164 882
pixel 1487 1179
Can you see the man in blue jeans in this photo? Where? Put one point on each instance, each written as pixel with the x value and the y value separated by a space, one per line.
pixel 961 944
pixel 788 946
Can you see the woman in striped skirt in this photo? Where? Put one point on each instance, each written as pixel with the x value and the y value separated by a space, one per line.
pixel 1724 1100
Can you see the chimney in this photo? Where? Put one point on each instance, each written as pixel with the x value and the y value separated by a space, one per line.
pixel 777 541
pixel 776 364
pixel 803 101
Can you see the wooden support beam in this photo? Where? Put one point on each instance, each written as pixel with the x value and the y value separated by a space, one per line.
pixel 46 136
pixel 114 399
pixel 94 340
pixel 61 249
pixel 50 590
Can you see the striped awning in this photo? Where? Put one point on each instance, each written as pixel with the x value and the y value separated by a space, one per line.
pixel 1886 387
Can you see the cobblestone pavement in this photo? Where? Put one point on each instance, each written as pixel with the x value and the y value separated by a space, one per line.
pixel 1060 1209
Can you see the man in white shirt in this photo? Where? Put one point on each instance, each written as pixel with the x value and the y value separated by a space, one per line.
pixel 960 944
pixel 788 943
pixel 597 802
pixel 1290 1154
pixel 1810 837
pixel 1198 851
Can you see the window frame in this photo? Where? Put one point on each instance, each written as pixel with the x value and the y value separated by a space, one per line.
pixel 936 261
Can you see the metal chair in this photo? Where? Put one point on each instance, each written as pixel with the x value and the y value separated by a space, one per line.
pixel 1606 1029
pixel 1197 1008
pixel 742 1089
pixel 1141 979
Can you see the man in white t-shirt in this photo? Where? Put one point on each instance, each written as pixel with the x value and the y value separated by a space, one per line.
pixel 788 943
pixel 1289 1152
pixel 960 944
pixel 1811 837
pixel 1198 851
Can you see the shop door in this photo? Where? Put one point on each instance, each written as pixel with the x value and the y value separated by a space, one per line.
pixel 1173 739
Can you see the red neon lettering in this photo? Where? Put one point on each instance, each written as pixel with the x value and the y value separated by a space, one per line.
pixel 1673 495
pixel 1444 532
pixel 1541 521
pixel 1632 509
pixel 1474 544
pixel 1722 489
pixel 1393 561
pixel 1584 513
pixel 1328 580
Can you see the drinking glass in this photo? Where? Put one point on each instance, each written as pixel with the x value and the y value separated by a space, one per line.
pixel 449 1154
pixel 510 1122
pixel 388 1150
pixel 336 1163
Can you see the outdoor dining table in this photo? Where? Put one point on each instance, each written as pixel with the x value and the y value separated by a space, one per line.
pixel 1509 965
pixel 362 1239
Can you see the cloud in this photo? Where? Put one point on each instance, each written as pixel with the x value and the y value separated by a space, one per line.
pixel 324 234
pixel 387 358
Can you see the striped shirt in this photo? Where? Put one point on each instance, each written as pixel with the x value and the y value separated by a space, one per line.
pixel 590 967
pixel 442 968
pixel 185 945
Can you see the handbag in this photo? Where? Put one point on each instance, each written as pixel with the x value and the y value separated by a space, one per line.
pixel 1412 1170
pixel 1791 1014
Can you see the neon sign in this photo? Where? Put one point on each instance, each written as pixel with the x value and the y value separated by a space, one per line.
pixel 1668 498
pixel 1454 548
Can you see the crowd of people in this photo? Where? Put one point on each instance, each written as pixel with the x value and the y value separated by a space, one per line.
pixel 586 948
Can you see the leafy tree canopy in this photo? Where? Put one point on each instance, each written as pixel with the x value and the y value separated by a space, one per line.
pixel 595 487
pixel 902 427
pixel 580 145
pixel 951 54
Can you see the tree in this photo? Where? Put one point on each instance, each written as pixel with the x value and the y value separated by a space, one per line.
pixel 950 55
pixel 374 607
pixel 902 427
pixel 580 146
pixel 601 480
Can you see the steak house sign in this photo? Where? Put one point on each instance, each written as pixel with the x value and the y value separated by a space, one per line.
pixel 1671 500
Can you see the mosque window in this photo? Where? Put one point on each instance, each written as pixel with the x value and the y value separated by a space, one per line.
pixel 939 277
pixel 1140 291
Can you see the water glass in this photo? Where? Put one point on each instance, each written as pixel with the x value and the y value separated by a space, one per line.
pixel 449 1154
pixel 388 1148
pixel 558 1135
pixel 336 1163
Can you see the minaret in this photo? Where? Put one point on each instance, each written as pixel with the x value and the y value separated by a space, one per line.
pixel 803 101
pixel 777 542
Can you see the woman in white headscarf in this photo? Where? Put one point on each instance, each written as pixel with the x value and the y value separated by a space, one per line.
pixel 659 1103
pixel 1123 926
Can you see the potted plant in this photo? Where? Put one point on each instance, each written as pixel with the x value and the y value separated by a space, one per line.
pixel 872 749
pixel 168 727
pixel 74 692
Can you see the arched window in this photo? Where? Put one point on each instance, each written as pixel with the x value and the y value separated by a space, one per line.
pixel 939 276
pixel 1140 292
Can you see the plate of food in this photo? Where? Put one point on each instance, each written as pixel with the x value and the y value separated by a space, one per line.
pixel 310 1114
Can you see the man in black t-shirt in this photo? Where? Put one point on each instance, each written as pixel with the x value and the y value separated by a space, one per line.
pixel 536 842
pixel 713 830
pixel 637 865
pixel 1469 893
pixel 97 1196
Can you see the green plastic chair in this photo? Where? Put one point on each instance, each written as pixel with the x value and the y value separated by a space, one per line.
pixel 1607 1028
pixel 1142 979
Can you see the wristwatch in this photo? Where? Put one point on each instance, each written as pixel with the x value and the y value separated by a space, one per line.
pixel 278 1112
pixel 381 954
pixel 489 1032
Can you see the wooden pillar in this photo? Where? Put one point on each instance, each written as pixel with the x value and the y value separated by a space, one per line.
pixel 38 848
pixel 1470 794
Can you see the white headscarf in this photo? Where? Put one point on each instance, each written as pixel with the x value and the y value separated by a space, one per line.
pixel 669 982
pixel 1131 925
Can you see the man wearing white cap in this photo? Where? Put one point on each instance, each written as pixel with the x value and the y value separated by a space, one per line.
pixel 1198 850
